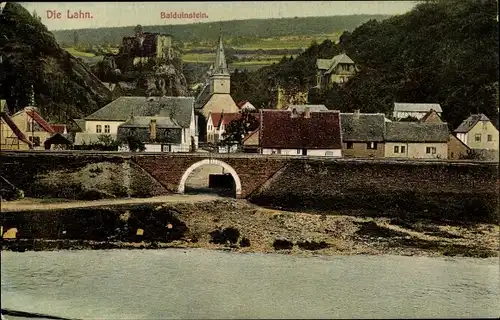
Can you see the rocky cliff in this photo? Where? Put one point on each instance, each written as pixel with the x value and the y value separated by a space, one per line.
pixel 64 87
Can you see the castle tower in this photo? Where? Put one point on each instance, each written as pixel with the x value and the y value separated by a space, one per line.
pixel 220 79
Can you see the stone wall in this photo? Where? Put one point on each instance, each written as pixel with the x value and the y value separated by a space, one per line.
pixel 455 190
pixel 419 189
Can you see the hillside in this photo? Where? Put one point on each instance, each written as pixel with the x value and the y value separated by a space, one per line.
pixel 64 87
pixel 441 51
pixel 241 31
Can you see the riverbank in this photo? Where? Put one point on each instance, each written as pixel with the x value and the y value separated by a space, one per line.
pixel 229 224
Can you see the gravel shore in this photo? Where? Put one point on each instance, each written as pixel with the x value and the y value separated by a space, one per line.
pixel 240 226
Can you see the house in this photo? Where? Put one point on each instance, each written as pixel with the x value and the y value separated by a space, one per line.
pixel 312 107
pixel 215 97
pixel 456 149
pixel 251 142
pixel 159 134
pixel 11 137
pixel 246 106
pixel 416 140
pixel 478 132
pixel 415 110
pixel 338 69
pixel 309 133
pixel 106 120
pixel 33 126
pixel 363 134
pixel 217 123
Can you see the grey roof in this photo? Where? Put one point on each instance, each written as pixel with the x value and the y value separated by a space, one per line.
pixel 363 127
pixel 312 107
pixel 416 107
pixel 470 122
pixel 323 64
pixel 178 108
pixel 330 64
pixel 80 123
pixel 144 122
pixel 416 132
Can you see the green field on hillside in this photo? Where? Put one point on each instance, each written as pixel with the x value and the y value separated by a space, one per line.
pixel 79 54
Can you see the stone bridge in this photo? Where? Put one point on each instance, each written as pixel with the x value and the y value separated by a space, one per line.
pixel 248 172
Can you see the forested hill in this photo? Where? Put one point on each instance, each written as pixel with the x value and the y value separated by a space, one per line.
pixel 243 29
pixel 64 87
pixel 443 51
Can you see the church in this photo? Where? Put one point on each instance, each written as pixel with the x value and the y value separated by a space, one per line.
pixel 215 96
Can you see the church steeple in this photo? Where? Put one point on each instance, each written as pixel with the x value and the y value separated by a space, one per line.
pixel 220 79
pixel 220 66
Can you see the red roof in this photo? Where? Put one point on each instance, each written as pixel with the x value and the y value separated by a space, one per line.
pixel 241 103
pixel 19 134
pixel 59 128
pixel 220 118
pixel 44 124
pixel 278 129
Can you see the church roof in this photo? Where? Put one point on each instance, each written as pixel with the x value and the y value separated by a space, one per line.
pixel 220 66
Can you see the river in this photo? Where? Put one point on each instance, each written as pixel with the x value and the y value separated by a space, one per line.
pixel 196 283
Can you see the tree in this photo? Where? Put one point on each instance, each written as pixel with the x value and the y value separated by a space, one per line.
pixel 36 16
pixel 134 143
pixel 237 129
pixel 409 119
pixel 75 38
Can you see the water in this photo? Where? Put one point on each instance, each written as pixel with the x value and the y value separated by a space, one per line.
pixel 159 284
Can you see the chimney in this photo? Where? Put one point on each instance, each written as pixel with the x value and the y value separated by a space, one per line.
pixel 307 113
pixel 152 130
pixel 356 114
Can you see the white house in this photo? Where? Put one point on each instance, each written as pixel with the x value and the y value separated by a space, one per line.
pixel 416 110
pixel 416 140
pixel 109 118
pixel 217 123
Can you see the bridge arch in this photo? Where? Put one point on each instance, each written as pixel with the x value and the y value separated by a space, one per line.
pixel 227 168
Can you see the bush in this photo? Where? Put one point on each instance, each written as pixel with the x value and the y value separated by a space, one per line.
pixel 244 242
pixel 312 245
pixel 282 244
pixel 228 235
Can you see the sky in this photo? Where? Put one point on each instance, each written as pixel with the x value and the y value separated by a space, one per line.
pixel 117 14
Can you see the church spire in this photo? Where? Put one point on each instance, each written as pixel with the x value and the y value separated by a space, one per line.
pixel 220 66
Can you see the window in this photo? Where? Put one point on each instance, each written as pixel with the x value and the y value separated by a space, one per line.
pixel 350 145
pixel 403 149
pixel 106 129
pixel 329 153
pixel 490 138
pixel 430 150
pixel 35 141
pixel 396 149
pixel 477 137
pixel 371 145
pixel 98 128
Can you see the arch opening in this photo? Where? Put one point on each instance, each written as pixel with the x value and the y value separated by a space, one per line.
pixel 210 176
